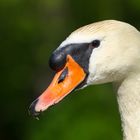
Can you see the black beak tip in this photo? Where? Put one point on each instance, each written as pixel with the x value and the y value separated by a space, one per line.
pixel 32 110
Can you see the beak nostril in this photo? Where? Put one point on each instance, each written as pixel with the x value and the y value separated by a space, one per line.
pixel 63 75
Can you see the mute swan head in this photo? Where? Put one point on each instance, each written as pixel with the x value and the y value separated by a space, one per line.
pixel 117 53
pixel 101 52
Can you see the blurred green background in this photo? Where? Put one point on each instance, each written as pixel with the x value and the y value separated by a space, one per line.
pixel 29 31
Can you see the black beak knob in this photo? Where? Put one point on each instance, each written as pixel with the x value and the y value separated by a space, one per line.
pixel 57 60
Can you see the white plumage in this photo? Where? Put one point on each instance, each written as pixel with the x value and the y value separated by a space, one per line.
pixel 117 60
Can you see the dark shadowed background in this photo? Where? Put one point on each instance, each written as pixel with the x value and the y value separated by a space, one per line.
pixel 29 31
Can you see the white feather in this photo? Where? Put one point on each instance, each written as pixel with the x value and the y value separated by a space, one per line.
pixel 117 60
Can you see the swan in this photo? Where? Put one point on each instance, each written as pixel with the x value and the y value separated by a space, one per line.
pixel 101 52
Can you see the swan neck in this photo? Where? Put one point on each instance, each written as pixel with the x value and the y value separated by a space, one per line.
pixel 129 106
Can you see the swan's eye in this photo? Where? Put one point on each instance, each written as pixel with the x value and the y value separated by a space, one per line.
pixel 95 43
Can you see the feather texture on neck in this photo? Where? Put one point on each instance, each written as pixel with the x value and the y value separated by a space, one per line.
pixel 129 106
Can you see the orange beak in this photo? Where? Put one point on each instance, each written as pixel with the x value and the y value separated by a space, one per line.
pixel 63 83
